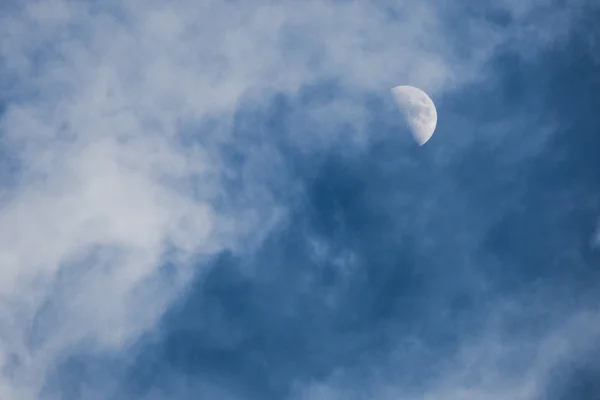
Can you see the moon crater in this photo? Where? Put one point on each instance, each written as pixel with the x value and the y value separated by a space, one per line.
pixel 418 110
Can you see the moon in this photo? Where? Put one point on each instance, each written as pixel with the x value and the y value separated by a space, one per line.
pixel 419 111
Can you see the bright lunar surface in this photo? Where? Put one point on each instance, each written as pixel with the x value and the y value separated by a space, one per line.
pixel 419 111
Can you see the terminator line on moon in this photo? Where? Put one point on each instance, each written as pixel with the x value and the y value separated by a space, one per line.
pixel 418 110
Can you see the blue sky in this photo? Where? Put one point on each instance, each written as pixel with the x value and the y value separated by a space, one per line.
pixel 220 200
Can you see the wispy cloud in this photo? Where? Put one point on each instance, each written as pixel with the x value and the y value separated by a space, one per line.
pixel 117 175
pixel 489 365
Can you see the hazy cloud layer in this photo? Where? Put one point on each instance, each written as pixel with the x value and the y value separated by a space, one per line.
pixel 129 164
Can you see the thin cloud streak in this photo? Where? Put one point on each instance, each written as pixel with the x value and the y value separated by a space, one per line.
pixel 489 366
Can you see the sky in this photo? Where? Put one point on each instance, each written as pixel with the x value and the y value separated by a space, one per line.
pixel 220 200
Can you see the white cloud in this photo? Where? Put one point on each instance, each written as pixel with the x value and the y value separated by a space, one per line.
pixel 95 97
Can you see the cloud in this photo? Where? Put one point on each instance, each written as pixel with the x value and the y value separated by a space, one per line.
pixel 118 174
pixel 491 365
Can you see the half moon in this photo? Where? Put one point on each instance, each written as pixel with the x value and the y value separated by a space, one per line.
pixel 419 111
